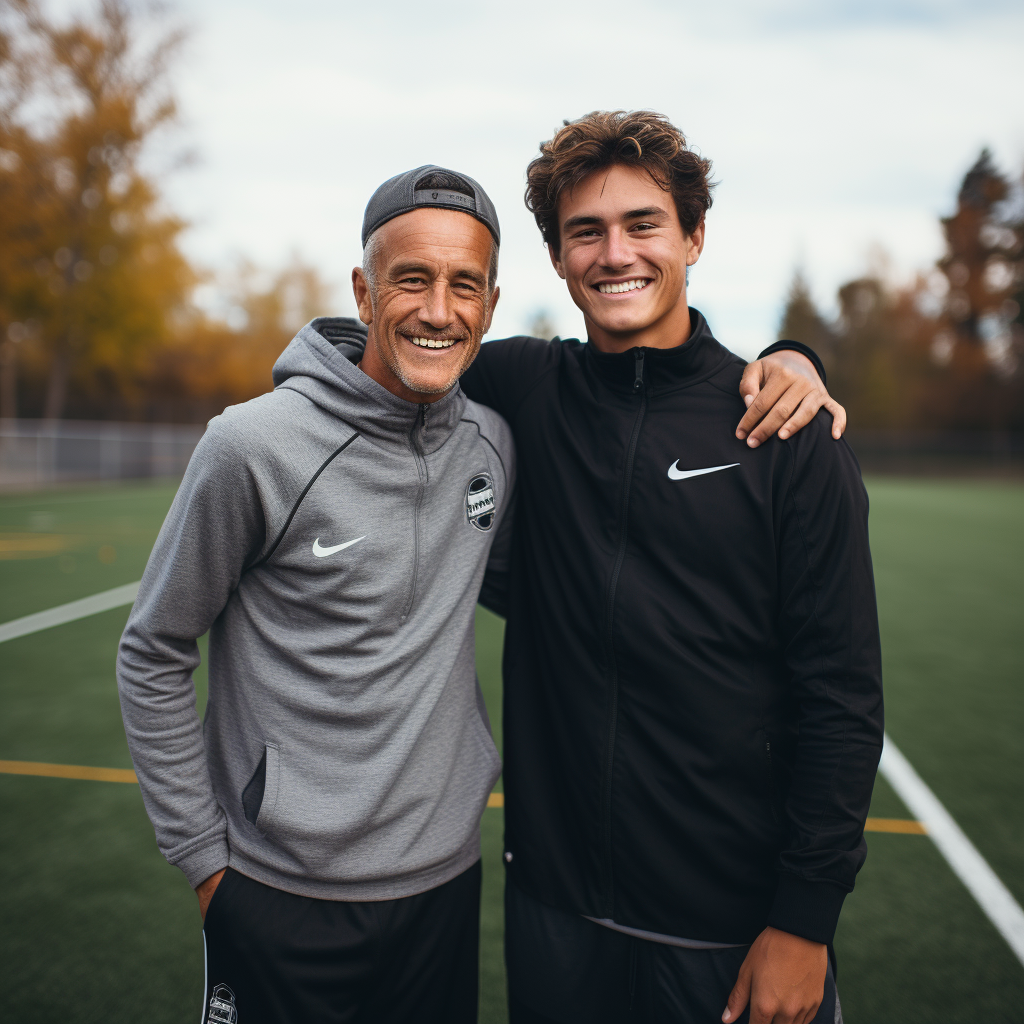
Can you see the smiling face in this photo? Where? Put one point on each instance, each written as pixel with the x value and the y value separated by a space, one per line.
pixel 428 302
pixel 624 254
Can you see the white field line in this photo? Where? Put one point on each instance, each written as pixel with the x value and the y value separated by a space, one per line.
pixel 69 612
pixel 970 867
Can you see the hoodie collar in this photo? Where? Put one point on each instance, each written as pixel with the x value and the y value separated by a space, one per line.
pixel 320 363
pixel 663 368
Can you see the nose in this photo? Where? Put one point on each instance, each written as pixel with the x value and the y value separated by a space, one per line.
pixel 616 253
pixel 436 309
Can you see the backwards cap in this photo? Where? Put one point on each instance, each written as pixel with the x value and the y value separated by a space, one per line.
pixel 429 185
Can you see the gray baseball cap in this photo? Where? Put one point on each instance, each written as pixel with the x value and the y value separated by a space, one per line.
pixel 429 185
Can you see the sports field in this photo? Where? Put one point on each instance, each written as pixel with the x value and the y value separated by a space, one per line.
pixel 94 926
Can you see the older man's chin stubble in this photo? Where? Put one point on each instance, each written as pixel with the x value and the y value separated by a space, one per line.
pixel 428 382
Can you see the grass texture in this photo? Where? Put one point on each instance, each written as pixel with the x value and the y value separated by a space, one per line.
pixel 94 926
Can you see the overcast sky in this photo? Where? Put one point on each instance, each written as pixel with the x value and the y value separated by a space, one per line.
pixel 834 128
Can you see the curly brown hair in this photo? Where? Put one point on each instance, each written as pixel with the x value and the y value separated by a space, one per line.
pixel 636 138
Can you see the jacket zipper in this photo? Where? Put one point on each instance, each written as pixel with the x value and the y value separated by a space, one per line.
pixel 638 387
pixel 771 782
pixel 421 472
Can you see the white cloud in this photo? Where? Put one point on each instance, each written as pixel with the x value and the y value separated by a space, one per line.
pixel 833 127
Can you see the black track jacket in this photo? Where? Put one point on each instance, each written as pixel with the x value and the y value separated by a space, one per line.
pixel 693 699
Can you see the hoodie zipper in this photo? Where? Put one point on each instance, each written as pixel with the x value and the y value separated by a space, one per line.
pixel 420 426
pixel 613 713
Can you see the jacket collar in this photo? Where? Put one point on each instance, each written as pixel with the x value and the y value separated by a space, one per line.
pixel 663 368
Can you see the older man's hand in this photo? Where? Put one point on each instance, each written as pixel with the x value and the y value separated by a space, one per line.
pixel 783 392
pixel 783 979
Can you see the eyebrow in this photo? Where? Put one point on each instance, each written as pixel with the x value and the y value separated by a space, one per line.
pixel 646 211
pixel 471 275
pixel 415 267
pixel 409 267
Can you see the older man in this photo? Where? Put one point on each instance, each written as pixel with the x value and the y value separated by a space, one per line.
pixel 333 536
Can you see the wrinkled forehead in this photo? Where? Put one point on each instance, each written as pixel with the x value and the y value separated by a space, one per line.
pixel 444 238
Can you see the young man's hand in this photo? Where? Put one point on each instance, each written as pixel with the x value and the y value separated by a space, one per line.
pixel 783 979
pixel 783 390
pixel 205 891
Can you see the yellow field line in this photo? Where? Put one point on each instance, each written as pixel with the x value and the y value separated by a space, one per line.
pixel 68 771
pixel 81 771
pixel 905 826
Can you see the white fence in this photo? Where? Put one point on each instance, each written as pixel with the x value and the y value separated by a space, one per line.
pixel 38 453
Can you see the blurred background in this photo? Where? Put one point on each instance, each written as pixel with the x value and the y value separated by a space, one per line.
pixel 182 187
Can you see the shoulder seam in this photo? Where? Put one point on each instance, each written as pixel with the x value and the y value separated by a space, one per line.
pixel 489 443
pixel 295 508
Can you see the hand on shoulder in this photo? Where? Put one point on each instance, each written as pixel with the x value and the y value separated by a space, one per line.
pixel 783 393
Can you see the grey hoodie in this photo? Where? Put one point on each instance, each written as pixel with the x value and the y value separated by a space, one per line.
pixel 332 538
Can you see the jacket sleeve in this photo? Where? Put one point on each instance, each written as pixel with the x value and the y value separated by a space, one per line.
pixel 214 529
pixel 505 371
pixel 829 630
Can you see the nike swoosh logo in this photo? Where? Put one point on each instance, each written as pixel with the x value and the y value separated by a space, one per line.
pixel 324 552
pixel 685 474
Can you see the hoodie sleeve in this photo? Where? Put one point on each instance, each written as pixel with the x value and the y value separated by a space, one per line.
pixel 215 528
pixel 829 629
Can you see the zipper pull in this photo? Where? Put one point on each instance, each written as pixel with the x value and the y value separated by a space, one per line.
pixel 638 383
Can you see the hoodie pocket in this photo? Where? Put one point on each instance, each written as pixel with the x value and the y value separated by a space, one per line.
pixel 259 797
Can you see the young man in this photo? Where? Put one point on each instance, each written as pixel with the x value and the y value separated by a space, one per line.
pixel 333 536
pixel 693 708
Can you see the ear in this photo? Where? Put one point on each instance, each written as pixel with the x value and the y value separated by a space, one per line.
pixel 495 295
pixel 556 262
pixel 695 244
pixel 361 291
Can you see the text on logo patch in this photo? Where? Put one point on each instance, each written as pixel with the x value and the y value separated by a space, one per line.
pixel 480 502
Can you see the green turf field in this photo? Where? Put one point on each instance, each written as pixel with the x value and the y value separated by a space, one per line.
pixel 94 926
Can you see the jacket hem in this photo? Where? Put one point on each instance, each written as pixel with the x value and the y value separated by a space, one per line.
pixel 359 892
pixel 808 909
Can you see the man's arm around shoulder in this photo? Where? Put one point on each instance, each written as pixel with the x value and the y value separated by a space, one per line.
pixel 783 390
pixel 505 371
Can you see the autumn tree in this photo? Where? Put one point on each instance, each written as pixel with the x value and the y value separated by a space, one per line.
pixel 801 321
pixel 980 338
pixel 947 349
pixel 223 356
pixel 91 276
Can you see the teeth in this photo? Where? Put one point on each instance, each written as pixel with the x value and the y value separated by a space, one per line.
pixel 625 286
pixel 433 342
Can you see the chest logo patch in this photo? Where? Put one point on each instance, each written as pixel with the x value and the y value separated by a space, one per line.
pixel 480 502
pixel 321 552
pixel 675 473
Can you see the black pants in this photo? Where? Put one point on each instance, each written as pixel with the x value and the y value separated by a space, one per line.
pixel 276 958
pixel 564 969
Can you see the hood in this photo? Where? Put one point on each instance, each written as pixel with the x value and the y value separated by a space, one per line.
pixel 320 363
